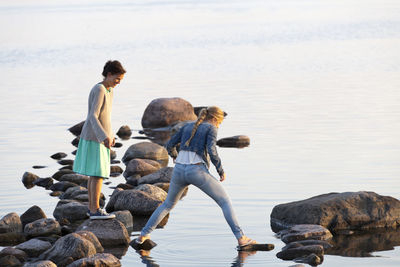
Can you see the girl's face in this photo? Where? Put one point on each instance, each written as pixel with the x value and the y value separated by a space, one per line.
pixel 113 80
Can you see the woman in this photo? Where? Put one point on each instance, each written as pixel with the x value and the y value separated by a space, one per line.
pixel 197 141
pixel 96 139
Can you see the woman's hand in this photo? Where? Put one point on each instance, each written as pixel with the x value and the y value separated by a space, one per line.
pixel 222 177
pixel 108 142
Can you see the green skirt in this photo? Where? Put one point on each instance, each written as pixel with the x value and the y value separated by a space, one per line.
pixel 92 159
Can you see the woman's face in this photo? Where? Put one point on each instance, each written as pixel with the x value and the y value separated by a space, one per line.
pixel 113 80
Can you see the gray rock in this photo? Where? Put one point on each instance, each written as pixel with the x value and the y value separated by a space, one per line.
pixel 116 169
pixel 293 253
pixel 311 259
pixel 42 227
pixel 34 247
pixel 124 132
pixel 163 175
pixel 65 162
pixel 74 178
pixel 10 261
pixel 32 214
pixel 152 190
pixel 303 232
pixel 146 150
pixel 97 260
pixel 40 264
pixel 162 112
pixel 77 128
pixel 10 223
pixel 92 238
pixel 58 155
pixel 302 243
pixel 73 191
pixel 72 211
pixel 62 186
pixel 28 178
pixel 136 201
pixel 109 232
pixel 339 211
pixel 44 182
pixel 238 141
pixel 125 186
pixel 125 217
pixel 60 173
pixel 69 249
pixel 19 254
pixel 141 167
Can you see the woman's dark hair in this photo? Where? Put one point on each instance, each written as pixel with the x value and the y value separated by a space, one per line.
pixel 113 67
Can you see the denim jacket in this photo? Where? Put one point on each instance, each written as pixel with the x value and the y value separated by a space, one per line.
pixel 203 143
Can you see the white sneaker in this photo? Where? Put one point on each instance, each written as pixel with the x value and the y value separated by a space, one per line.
pixel 101 215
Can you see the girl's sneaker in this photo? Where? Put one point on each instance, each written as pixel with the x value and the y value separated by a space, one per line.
pixel 101 215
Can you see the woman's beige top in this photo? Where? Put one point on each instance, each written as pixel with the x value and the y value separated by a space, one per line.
pixel 98 122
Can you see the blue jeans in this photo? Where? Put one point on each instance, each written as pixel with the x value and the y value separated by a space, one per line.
pixel 198 175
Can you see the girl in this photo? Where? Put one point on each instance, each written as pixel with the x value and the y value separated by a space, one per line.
pixel 197 142
pixel 93 155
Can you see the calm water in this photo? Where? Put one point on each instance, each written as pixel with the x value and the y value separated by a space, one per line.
pixel 314 84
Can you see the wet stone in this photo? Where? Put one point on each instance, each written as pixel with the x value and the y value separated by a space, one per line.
pixel 65 162
pixel 58 155
pixel 32 214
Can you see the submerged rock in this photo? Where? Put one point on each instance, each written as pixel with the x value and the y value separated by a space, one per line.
pixel 339 211
pixel 162 112
pixel 293 253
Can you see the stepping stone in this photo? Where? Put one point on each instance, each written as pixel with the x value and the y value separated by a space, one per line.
pixel 253 247
pixel 146 245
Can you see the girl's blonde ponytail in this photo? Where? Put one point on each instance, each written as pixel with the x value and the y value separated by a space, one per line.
pixel 200 119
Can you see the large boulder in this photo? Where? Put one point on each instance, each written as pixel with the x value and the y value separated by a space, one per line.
pixel 163 175
pixel 146 150
pixel 34 247
pixel 141 167
pixel 69 249
pixel 97 260
pixel 152 190
pixel 125 217
pixel 42 227
pixel 70 210
pixel 136 201
pixel 339 211
pixel 162 112
pixel 11 231
pixel 110 232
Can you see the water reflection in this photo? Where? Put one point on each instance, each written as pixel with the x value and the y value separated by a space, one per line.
pixel 241 258
pixel 364 244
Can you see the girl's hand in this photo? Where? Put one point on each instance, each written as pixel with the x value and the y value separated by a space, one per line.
pixel 107 142
pixel 222 177
pixel 113 142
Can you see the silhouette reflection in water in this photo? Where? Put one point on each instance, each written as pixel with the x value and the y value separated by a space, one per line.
pixel 363 244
